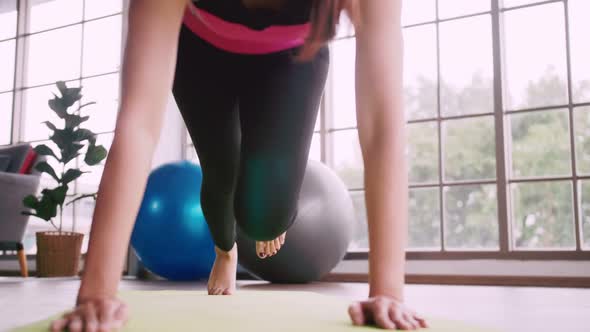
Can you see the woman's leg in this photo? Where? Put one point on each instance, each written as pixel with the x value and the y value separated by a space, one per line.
pixel 206 95
pixel 205 92
pixel 278 102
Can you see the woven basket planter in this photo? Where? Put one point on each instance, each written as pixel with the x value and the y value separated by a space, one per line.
pixel 58 255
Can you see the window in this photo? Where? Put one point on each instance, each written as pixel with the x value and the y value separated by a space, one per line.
pixel 497 97
pixel 486 84
pixel 41 42
pixel 8 16
pixel 579 25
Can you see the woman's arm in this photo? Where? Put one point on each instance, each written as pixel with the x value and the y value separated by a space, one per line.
pixel 147 73
pixel 382 134
pixel 148 67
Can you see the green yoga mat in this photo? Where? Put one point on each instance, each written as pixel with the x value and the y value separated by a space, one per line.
pixel 246 311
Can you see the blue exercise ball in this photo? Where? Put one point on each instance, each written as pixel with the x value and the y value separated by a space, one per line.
pixel 171 237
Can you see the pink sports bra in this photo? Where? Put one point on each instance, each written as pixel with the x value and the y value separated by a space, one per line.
pixel 239 38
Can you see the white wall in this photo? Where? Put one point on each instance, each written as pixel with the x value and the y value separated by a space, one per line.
pixel 169 147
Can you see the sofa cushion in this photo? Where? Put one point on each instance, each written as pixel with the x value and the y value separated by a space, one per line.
pixel 28 163
pixel 4 162
pixel 18 154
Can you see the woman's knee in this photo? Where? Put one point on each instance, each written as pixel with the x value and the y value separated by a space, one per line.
pixel 266 195
pixel 263 217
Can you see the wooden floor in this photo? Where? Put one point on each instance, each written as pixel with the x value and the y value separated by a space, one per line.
pixel 515 309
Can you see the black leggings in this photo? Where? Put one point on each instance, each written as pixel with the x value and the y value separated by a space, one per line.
pixel 251 119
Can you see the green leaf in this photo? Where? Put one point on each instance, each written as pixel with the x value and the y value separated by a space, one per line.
pixel 71 175
pixel 70 152
pixel 50 125
pixel 62 87
pixel 57 195
pixel 31 201
pixel 95 154
pixel 84 134
pixel 44 167
pixel 71 96
pixel 74 120
pixel 63 138
pixel 56 104
pixel 44 150
pixel 47 208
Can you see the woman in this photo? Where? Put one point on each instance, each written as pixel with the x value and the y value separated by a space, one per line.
pixel 248 76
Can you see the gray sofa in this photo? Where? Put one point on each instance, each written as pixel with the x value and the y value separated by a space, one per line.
pixel 13 188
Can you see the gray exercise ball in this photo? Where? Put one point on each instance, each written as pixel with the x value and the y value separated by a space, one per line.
pixel 317 240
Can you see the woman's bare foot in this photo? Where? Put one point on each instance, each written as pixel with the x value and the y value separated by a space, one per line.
pixel 222 280
pixel 265 249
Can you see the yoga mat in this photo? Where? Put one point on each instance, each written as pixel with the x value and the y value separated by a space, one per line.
pixel 245 311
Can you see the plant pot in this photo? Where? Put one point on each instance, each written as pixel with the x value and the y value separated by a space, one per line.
pixel 58 254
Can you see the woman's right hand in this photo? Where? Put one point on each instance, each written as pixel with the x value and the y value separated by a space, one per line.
pixel 97 315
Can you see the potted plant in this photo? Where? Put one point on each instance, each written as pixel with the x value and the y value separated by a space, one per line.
pixel 58 252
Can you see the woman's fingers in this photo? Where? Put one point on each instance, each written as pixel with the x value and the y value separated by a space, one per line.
pixel 76 324
pixel 355 311
pixel 386 313
pixel 381 315
pixel 59 324
pixel 422 322
pixel 113 317
pixel 121 316
pixel 420 319
pixel 106 316
pixel 408 317
pixel 90 318
pixel 103 315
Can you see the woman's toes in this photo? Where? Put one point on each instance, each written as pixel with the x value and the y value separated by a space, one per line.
pixel 270 248
pixel 260 249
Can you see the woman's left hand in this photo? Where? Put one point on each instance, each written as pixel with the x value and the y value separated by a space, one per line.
pixel 385 312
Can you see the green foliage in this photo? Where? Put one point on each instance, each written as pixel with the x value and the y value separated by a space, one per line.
pixel 542 213
pixel 70 140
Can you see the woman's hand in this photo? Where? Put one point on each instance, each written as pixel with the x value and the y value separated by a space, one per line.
pixel 385 312
pixel 101 315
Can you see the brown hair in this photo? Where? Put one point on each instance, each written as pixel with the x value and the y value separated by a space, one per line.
pixel 325 15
